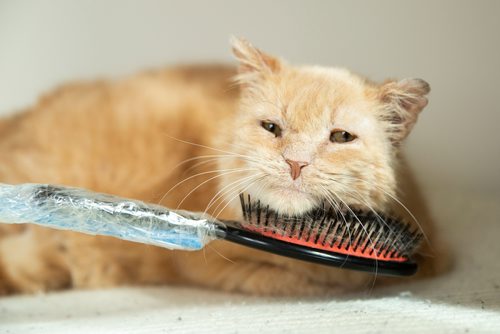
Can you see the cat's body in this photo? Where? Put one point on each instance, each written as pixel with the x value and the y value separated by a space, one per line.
pixel 138 138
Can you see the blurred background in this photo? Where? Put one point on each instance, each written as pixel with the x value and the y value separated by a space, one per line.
pixel 454 45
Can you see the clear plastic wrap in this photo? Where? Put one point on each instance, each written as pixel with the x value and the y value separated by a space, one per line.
pixel 99 214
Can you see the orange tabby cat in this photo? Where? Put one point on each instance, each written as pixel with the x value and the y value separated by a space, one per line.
pixel 292 137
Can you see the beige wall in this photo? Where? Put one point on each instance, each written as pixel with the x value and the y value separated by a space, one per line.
pixel 455 45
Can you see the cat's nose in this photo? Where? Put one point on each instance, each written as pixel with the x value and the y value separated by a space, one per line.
pixel 295 167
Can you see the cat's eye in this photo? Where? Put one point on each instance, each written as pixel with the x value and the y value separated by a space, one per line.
pixel 271 127
pixel 341 136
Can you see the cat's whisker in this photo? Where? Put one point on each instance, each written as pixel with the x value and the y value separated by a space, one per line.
pixel 221 193
pixel 412 216
pixel 210 179
pixel 333 203
pixel 234 189
pixel 192 177
pixel 363 200
pixel 205 146
pixel 218 253
pixel 334 194
pixel 217 159
pixel 336 206
pixel 331 200
pixel 212 156
pixel 360 197
pixel 235 196
pixel 367 234
pixel 206 162
pixel 394 199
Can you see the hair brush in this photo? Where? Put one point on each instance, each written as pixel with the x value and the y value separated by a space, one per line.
pixel 365 241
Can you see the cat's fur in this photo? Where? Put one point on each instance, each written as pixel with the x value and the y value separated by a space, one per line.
pixel 141 136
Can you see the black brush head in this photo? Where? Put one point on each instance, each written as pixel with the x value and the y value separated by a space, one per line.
pixel 361 240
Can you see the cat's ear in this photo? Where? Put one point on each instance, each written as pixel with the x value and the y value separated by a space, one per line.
pixel 253 60
pixel 403 101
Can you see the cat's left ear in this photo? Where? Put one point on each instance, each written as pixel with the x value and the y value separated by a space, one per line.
pixel 253 60
pixel 403 101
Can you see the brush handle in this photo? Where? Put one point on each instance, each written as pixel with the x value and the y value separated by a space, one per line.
pixel 92 213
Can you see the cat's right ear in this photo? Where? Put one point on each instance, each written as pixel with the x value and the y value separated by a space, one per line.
pixel 252 60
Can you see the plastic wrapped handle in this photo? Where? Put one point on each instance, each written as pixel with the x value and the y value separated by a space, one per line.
pixel 99 214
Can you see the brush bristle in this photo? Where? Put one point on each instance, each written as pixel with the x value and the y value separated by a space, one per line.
pixel 357 233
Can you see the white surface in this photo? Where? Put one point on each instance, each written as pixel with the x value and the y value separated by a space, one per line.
pixel 452 44
pixel 466 300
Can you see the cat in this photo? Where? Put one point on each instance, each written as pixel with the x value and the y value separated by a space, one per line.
pixel 195 137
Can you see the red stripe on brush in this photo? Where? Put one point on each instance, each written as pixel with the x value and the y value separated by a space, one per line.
pixel 336 247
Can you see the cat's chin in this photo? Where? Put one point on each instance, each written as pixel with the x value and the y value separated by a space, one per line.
pixel 286 201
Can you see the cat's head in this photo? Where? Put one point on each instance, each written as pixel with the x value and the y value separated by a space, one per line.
pixel 308 134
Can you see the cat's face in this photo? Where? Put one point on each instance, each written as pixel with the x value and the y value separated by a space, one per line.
pixel 310 135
